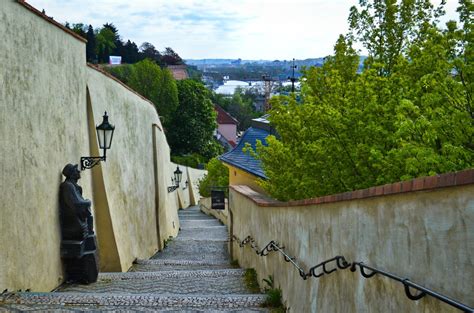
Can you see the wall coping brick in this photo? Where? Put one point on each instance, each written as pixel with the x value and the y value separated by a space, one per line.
pixel 454 179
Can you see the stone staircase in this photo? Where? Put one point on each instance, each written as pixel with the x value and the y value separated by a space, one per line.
pixel 192 274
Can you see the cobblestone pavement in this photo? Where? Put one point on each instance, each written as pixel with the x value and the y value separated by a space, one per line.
pixel 192 274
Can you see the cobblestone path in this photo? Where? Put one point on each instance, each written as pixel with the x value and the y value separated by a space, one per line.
pixel 192 274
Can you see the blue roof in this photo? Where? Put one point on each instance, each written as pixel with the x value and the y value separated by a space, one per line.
pixel 236 157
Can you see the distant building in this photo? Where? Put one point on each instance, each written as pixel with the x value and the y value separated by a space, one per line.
pixel 226 128
pixel 179 72
pixel 230 86
pixel 244 169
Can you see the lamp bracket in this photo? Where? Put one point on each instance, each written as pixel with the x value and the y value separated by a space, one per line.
pixel 90 162
pixel 172 188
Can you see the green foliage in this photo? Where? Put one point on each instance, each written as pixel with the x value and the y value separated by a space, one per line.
pixel 194 123
pixel 251 280
pixel 105 44
pixel 192 160
pixel 274 296
pixel 217 175
pixel 409 113
pixel 157 85
pixel 240 106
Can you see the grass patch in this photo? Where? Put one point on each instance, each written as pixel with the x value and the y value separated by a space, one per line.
pixel 167 241
pixel 274 297
pixel 251 280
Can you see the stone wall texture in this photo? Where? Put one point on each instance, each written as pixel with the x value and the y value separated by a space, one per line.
pixel 425 235
pixel 50 102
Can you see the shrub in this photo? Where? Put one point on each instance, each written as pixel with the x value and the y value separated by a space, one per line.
pixel 217 175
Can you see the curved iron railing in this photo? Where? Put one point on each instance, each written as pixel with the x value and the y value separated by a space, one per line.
pixel 341 263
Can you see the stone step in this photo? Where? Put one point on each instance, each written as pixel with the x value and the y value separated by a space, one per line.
pixel 203 234
pixel 194 250
pixel 219 273
pixel 227 281
pixel 195 217
pixel 154 268
pixel 118 308
pixel 183 263
pixel 74 301
pixel 199 223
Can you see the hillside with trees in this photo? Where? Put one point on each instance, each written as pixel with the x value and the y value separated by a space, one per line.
pixel 408 113
pixel 106 41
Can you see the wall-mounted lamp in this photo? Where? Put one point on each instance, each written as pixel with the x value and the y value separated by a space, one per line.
pixel 186 185
pixel 105 133
pixel 175 180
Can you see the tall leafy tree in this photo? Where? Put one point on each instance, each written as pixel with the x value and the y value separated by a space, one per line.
pixel 407 114
pixel 170 57
pixel 148 51
pixel 105 44
pixel 157 85
pixel 194 122
pixel 91 46
pixel 79 29
pixel 130 52
pixel 167 100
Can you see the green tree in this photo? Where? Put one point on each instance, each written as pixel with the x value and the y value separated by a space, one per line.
pixel 155 84
pixel 217 176
pixel 170 57
pixel 194 121
pixel 91 49
pixel 387 28
pixel 167 100
pixel 105 44
pixel 407 114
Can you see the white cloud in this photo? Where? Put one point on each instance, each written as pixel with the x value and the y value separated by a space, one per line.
pixel 247 29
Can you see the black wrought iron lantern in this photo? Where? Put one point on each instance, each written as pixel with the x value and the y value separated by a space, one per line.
pixel 177 176
pixel 105 133
pixel 175 180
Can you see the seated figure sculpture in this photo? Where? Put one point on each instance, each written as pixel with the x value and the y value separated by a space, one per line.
pixel 78 244
pixel 75 210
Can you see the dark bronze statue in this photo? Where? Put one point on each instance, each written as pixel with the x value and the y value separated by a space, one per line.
pixel 75 210
pixel 78 244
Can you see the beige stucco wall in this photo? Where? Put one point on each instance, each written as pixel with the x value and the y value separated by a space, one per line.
pixel 426 236
pixel 128 178
pixel 194 176
pixel 50 102
pixel 221 215
pixel 42 104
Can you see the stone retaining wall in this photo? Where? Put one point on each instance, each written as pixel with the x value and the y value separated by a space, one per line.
pixel 423 231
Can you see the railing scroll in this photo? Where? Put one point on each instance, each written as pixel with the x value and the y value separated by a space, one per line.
pixel 341 263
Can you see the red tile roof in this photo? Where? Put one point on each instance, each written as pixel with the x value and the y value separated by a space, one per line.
pixel 223 117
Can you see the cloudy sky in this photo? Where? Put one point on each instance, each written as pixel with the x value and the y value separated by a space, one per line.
pixel 247 29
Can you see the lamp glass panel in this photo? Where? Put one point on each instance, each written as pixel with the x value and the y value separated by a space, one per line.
pixel 101 137
pixel 177 175
pixel 108 134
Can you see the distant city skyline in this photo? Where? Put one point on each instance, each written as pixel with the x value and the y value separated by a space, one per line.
pixel 203 29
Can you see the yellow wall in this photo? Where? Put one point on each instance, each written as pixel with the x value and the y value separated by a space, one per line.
pixel 50 102
pixel 240 177
pixel 426 236
pixel 43 126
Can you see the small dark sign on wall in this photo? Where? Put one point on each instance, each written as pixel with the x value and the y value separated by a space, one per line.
pixel 217 199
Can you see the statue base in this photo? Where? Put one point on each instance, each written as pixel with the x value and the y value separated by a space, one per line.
pixel 80 260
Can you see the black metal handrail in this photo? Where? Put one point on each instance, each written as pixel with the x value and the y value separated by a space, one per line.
pixel 341 263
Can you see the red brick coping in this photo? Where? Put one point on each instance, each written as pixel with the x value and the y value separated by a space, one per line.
pixel 50 20
pixel 418 184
